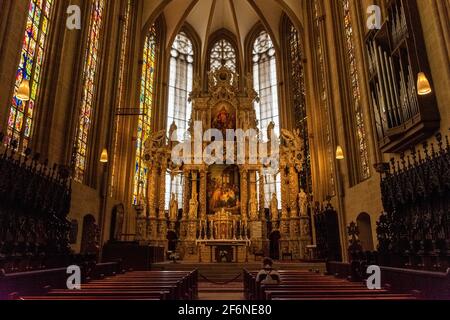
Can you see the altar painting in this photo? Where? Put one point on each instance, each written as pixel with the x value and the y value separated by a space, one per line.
pixel 223 188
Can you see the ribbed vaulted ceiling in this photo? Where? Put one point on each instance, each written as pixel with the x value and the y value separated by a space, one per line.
pixel 208 16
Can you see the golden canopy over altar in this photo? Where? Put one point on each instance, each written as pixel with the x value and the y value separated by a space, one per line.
pixel 223 185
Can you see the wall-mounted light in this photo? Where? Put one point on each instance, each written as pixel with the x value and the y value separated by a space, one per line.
pixel 104 156
pixel 423 85
pixel 339 153
pixel 23 92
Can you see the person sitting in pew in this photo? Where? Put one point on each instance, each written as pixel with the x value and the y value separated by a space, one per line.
pixel 268 275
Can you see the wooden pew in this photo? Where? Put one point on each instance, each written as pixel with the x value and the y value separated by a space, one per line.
pixel 148 285
pixel 300 285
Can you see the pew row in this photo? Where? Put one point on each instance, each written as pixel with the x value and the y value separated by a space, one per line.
pixel 148 285
pixel 303 285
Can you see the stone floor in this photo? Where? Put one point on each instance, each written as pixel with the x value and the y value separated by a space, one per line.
pixel 230 291
pixel 223 281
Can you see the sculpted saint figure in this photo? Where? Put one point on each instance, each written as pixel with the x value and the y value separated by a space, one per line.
pixel 303 202
pixel 270 130
pixel 253 208
pixel 193 208
pixel 274 207
pixel 173 128
pixel 173 208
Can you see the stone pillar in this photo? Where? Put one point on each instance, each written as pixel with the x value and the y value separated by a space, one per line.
pixel 262 212
pixel 141 226
pixel 261 195
pixel 192 229
pixel 186 197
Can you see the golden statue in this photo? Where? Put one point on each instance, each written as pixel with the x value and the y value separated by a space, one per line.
pixel 274 207
pixel 173 208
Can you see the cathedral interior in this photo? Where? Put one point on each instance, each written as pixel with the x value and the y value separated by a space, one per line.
pixel 201 136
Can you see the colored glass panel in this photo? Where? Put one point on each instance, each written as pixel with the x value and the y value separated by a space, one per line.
pixel 89 87
pixel 20 121
pixel 360 130
pixel 140 181
pixel 121 88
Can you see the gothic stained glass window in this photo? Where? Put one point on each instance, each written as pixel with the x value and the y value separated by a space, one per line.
pixel 174 186
pixel 265 83
pixel 121 85
pixel 323 96
pixel 33 54
pixel 146 102
pixel 180 83
pixel 179 108
pixel 298 93
pixel 223 53
pixel 361 136
pixel 91 63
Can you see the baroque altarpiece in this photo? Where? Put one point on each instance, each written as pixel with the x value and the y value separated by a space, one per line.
pixel 224 203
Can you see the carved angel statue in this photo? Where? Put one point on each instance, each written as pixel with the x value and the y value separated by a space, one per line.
pixel 291 139
pixel 173 208
pixel 274 207
pixel 154 145
pixel 291 148
pixel 211 80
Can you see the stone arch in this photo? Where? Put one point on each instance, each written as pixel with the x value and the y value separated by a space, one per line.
pixel 90 236
pixel 365 231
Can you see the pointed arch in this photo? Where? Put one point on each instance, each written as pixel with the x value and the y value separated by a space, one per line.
pixel 293 55
pixel 89 85
pixel 263 63
pixel 227 37
pixel 358 127
pixel 150 59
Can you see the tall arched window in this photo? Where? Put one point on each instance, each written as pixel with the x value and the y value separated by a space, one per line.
pixel 296 75
pixel 359 126
pixel 223 53
pixel 179 107
pixel 145 110
pixel 121 88
pixel 89 87
pixel 265 83
pixel 180 83
pixel 33 54
pixel 322 92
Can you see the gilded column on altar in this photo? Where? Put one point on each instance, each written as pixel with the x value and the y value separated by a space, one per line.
pixel 244 194
pixel 151 199
pixel 203 182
